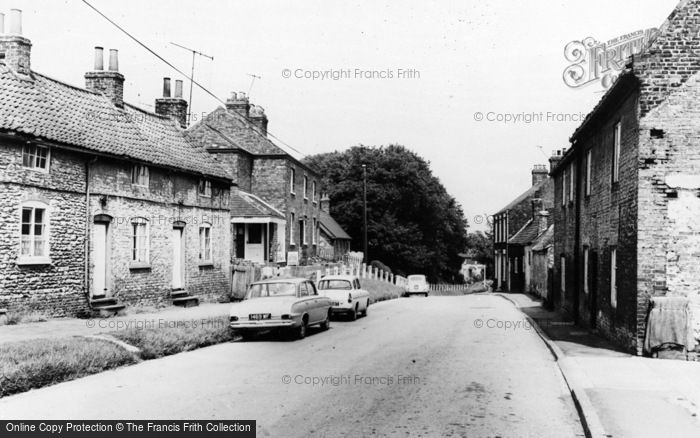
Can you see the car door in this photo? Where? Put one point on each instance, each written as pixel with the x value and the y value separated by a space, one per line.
pixel 316 303
pixel 306 302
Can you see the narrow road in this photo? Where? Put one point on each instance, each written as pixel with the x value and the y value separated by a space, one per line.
pixel 441 366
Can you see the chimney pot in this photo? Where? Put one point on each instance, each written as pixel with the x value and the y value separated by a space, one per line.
pixel 2 23
pixel 15 22
pixel 166 87
pixel 241 95
pixel 113 60
pixel 178 88
pixel 99 59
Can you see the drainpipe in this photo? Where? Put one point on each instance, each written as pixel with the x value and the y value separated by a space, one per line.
pixel 87 230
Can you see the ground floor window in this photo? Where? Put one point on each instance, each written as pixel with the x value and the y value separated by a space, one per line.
pixel 205 243
pixel 35 239
pixel 139 240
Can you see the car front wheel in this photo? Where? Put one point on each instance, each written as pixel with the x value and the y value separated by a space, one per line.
pixel 301 331
pixel 326 324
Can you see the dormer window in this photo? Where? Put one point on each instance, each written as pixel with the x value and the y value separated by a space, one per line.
pixel 139 175
pixel 205 188
pixel 35 157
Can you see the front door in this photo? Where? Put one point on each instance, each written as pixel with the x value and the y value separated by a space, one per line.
pixel 255 246
pixel 177 280
pixel 99 280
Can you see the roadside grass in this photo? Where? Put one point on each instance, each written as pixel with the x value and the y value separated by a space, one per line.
pixel 14 318
pixel 41 362
pixel 175 338
pixel 381 290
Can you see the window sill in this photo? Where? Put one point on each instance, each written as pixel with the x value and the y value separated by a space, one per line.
pixel 30 261
pixel 209 264
pixel 36 169
pixel 139 265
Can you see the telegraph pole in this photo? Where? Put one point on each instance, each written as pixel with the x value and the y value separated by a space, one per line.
pixel 194 54
pixel 364 203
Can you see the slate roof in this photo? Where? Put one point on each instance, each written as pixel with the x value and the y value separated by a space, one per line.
pixel 235 132
pixel 529 192
pixel 331 227
pixel 526 235
pixel 52 110
pixel 244 204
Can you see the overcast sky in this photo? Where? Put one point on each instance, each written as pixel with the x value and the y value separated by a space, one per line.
pixel 477 56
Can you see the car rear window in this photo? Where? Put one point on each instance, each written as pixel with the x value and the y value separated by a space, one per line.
pixel 272 290
pixel 335 285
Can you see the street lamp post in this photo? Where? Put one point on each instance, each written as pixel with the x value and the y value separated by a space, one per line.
pixel 364 213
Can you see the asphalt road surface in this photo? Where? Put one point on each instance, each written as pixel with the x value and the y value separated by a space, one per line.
pixel 443 366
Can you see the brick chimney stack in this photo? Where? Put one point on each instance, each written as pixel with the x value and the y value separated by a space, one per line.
pixel 111 82
pixel 15 50
pixel 542 221
pixel 539 173
pixel 325 203
pixel 258 118
pixel 176 106
pixel 556 158
pixel 238 103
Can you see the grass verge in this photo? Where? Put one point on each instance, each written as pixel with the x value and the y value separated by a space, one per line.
pixel 178 337
pixel 41 362
pixel 381 290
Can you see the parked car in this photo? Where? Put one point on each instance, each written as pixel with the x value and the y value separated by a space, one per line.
pixel 346 294
pixel 282 305
pixel 417 284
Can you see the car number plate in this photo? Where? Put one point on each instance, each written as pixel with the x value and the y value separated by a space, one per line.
pixel 258 316
pixel 335 303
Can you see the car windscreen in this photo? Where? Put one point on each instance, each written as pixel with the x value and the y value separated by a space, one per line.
pixel 334 285
pixel 264 290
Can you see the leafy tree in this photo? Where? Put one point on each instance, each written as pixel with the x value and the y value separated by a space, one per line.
pixel 414 225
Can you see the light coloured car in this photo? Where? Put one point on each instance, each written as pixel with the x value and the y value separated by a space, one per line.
pixel 346 294
pixel 417 285
pixel 282 305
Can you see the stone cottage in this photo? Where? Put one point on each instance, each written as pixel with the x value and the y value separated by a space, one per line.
pixel 102 204
pixel 627 192
pixel 284 191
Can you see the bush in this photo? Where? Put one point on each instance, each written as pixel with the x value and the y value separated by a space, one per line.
pixel 380 290
pixel 41 362
pixel 379 265
pixel 181 336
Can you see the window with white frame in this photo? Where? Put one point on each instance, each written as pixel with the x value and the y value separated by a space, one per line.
pixel 563 187
pixel 292 180
pixel 139 175
pixel 302 231
pixel 586 252
pixel 35 157
pixel 205 243
pixel 562 273
pixel 572 176
pixel 292 224
pixel 306 186
pixel 34 244
pixel 314 230
pixel 205 188
pixel 139 240
pixel 313 191
pixel 616 152
pixel 589 167
pixel 613 277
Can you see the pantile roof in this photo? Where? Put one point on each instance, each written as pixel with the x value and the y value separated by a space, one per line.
pixel 331 227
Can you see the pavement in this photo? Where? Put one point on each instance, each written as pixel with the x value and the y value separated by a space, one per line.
pixel 457 366
pixel 618 394
pixel 67 327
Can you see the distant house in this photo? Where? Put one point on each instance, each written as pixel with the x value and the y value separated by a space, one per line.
pixel 102 204
pixel 514 228
pixel 541 254
pixel 334 241
pixel 284 191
